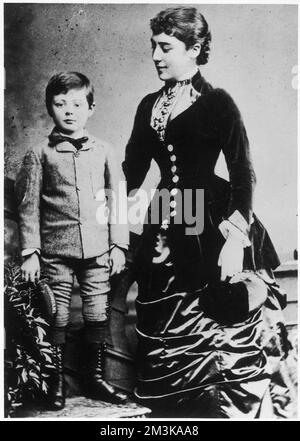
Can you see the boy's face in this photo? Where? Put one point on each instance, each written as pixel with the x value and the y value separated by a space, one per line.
pixel 70 111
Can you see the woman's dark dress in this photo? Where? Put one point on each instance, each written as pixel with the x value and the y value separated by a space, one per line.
pixel 188 364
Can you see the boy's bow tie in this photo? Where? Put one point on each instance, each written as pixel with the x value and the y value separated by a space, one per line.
pixel 57 139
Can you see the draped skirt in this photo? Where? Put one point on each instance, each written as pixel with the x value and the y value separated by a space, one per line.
pixel 189 365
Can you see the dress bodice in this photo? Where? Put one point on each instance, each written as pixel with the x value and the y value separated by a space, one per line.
pixel 177 163
pixel 174 99
pixel 188 146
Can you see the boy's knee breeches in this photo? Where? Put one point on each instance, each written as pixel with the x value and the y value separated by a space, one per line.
pixel 93 278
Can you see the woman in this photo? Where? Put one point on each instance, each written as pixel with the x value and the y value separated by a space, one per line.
pixel 197 358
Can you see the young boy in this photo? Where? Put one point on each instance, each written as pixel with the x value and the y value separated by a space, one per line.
pixel 60 192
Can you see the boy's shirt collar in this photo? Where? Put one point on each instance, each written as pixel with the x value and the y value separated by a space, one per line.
pixel 66 146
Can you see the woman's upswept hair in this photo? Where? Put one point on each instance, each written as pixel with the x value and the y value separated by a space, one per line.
pixel 186 24
pixel 65 81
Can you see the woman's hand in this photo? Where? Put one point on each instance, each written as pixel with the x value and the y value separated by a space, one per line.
pixel 117 259
pixel 31 268
pixel 231 257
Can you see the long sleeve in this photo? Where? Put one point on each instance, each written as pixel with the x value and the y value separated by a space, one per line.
pixel 117 202
pixel 137 155
pixel 235 146
pixel 28 189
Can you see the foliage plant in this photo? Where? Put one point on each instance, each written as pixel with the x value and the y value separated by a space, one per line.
pixel 28 358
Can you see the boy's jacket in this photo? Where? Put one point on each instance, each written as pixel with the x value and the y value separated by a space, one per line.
pixel 59 193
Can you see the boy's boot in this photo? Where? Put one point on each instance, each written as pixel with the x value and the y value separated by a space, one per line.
pixel 96 385
pixel 57 386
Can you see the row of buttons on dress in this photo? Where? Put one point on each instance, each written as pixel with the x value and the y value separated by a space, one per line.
pixel 174 191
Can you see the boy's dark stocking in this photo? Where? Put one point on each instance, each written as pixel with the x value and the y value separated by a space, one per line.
pixel 97 387
pixel 57 385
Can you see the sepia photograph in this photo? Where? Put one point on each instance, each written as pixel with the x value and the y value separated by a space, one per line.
pixel 150 212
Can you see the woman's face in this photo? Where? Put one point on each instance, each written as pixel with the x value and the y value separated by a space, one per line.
pixel 171 58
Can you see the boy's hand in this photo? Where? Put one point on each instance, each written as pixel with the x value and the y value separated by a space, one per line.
pixel 117 258
pixel 31 268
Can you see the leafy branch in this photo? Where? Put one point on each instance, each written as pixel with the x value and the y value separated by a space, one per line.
pixel 28 355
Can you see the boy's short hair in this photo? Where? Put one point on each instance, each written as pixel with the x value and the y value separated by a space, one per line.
pixel 65 81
